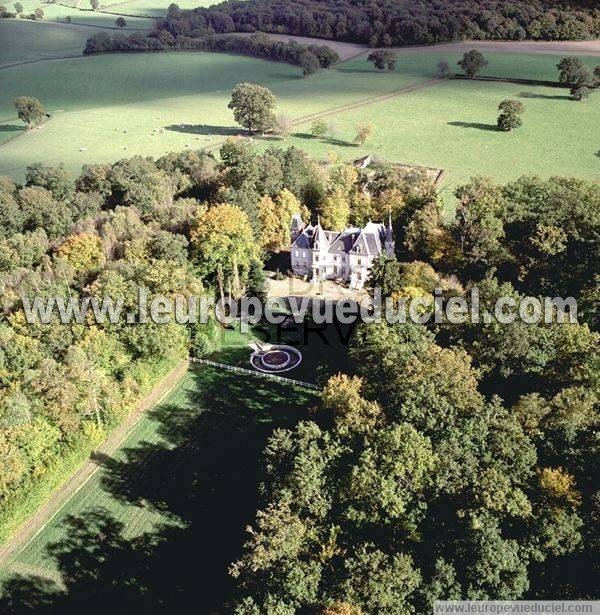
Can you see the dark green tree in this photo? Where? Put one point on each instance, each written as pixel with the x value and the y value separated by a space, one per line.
pixel 510 114
pixel 472 62
pixel 310 63
pixel 253 107
pixel 30 110
pixel 382 59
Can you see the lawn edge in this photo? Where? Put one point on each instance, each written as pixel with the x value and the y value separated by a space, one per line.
pixel 61 496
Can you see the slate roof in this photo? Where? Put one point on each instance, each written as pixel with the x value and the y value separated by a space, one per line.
pixel 369 239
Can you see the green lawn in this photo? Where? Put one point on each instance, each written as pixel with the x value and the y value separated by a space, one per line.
pixel 323 347
pixel 114 106
pixel 23 41
pixel 165 515
pixel 156 8
pixel 82 15
pixel 452 126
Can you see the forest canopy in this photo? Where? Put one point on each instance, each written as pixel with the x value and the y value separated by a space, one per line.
pixel 394 22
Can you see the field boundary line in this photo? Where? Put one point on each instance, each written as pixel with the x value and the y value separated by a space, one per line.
pixel 517 80
pixel 61 496
pixel 407 89
pixel 41 60
pixel 413 87
pixel 252 372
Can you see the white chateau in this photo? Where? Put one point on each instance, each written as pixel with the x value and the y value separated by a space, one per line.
pixel 345 256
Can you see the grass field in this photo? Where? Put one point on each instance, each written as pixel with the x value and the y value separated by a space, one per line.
pixel 113 103
pixel 156 8
pixel 139 14
pixel 24 41
pixel 185 94
pixel 81 15
pixel 323 347
pixel 453 126
pixel 161 519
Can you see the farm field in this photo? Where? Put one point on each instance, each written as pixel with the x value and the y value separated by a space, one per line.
pixel 25 41
pixel 81 15
pixel 137 528
pixel 156 8
pixel 120 105
pixel 184 94
pixel 453 126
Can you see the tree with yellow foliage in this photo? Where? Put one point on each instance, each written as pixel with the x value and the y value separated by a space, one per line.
pixel 559 487
pixel 335 211
pixel 341 608
pixel 83 252
pixel 223 246
pixel 275 218
pixel 351 412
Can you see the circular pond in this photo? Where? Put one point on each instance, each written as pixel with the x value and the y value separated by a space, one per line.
pixel 276 359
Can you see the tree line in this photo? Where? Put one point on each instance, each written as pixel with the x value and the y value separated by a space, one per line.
pixel 311 58
pixel 387 22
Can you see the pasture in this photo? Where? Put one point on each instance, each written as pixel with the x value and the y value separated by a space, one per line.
pixel 119 105
pixel 154 8
pixel 24 41
pixel 162 518
pixel 82 15
pixel 452 126
pixel 116 106
pixel 139 14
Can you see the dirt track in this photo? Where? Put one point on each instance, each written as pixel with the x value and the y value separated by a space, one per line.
pixel 349 50
pixel 347 107
pixel 589 48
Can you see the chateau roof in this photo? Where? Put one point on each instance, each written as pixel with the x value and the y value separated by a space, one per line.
pixel 368 240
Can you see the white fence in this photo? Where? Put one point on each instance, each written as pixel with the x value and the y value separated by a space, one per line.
pixel 243 370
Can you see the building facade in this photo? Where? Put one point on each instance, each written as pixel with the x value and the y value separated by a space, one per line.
pixel 347 256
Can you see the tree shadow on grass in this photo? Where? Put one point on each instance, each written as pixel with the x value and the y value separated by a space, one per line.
pixel 12 128
pixel 201 473
pixel 340 142
pixel 328 140
pixel 477 125
pixel 205 129
pixel 535 95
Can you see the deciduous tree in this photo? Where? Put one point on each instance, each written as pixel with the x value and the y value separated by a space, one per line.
pixel 510 114
pixel 310 63
pixel 382 59
pixel 472 62
pixel 30 110
pixel 253 107
pixel 363 133
pixel 223 238
pixel 319 129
